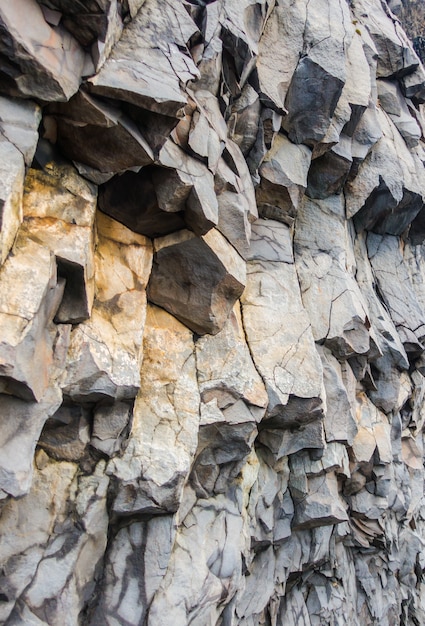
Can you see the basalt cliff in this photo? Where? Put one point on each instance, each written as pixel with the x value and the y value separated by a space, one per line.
pixel 212 313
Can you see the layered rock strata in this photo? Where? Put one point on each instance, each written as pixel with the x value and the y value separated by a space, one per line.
pixel 212 314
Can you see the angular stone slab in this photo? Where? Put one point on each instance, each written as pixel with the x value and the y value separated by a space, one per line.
pixel 132 200
pixel 99 134
pixel 12 172
pixel 104 357
pixel 59 211
pixel 197 279
pixel 111 425
pixel 148 542
pixel 21 424
pixel 19 121
pixel 29 298
pixel 330 294
pixel 225 370
pixel 393 102
pixel 157 460
pixel 193 182
pixel 386 195
pixel 147 64
pixel 396 56
pixel 283 179
pixel 47 62
pixel 395 288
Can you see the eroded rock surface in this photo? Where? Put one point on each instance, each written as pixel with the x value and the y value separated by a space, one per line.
pixel 212 314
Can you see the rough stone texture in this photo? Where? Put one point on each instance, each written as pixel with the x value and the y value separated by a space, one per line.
pixel 212 313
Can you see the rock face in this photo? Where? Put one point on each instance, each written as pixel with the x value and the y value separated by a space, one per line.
pixel 212 313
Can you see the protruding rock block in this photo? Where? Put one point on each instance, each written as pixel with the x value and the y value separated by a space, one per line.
pixel 105 352
pixel 387 193
pixel 19 121
pixel 111 426
pixel 131 199
pixel 21 424
pixel 66 433
pixel 233 404
pixel 29 298
pixel 46 63
pixel 188 180
pixel 395 289
pixel 392 101
pixel 139 71
pixel 197 279
pixel 339 421
pixel 98 134
pixel 157 460
pixel 283 180
pixel 279 336
pixel 320 504
pixel 330 294
pixel 311 101
pixel 12 172
pixel 59 211
pixel 395 54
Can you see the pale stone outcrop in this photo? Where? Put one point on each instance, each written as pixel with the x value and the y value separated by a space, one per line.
pixel 153 469
pixel 105 352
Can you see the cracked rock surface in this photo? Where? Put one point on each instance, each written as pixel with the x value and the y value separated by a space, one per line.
pixel 212 313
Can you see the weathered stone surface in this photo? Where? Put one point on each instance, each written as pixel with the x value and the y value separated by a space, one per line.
pixel 392 101
pixel 386 260
pixel 59 210
pixel 289 363
pixel 125 595
pixel 22 423
pixel 99 134
pixel 71 551
pixel 396 56
pixel 105 352
pixel 111 426
pixel 151 78
pixel 249 463
pixel 12 170
pixel 283 180
pixel 386 194
pixel 210 279
pixel 338 313
pixel 157 460
pixel 37 60
pixel 30 297
pixel 19 120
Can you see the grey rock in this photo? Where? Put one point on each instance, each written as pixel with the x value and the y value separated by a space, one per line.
pixel 331 296
pixel 283 179
pixel 211 277
pixel 399 297
pixel 152 471
pixel 386 194
pixel 12 170
pixel 30 297
pixel 151 78
pixel 111 425
pixel 19 121
pixel 149 543
pixel 47 63
pixel 99 134
pixel 66 434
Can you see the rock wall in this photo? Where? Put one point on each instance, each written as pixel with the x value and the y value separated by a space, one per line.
pixel 212 314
